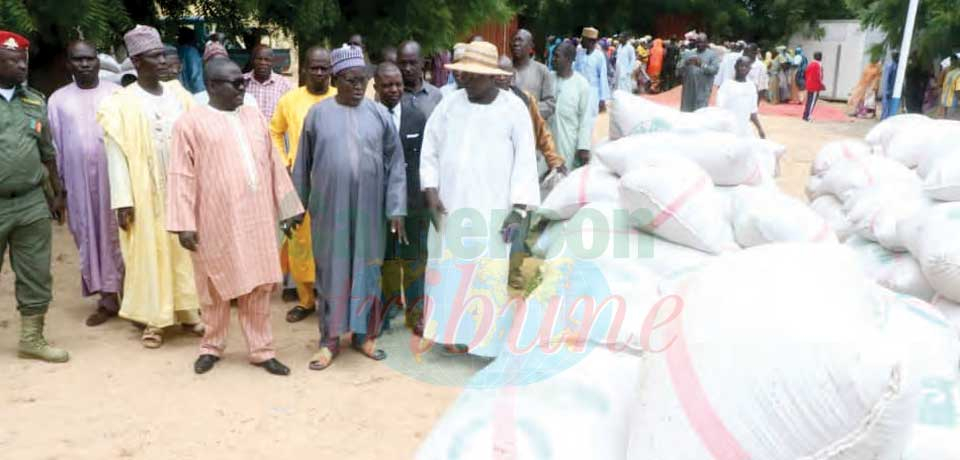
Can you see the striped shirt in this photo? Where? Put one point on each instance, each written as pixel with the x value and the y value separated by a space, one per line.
pixel 231 188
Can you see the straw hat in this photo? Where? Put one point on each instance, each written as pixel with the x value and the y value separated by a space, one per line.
pixel 458 50
pixel 590 32
pixel 479 58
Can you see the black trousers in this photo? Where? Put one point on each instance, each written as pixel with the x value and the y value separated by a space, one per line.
pixel 812 97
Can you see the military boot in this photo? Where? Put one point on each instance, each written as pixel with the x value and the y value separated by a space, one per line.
pixel 33 345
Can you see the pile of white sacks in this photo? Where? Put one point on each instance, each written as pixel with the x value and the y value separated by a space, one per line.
pixel 693 311
pixel 895 199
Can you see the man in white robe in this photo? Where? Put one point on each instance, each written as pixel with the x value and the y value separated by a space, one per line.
pixel 479 173
pixel 626 63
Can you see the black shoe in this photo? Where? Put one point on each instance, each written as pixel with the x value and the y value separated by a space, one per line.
pixel 274 367
pixel 204 363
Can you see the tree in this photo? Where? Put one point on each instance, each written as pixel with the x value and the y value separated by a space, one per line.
pixel 935 32
pixel 435 24
pixel 55 22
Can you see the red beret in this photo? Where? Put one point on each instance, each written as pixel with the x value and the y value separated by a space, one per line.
pixel 12 41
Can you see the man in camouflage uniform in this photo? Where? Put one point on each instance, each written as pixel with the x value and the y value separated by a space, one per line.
pixel 30 192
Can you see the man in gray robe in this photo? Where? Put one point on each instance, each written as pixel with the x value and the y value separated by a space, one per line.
pixel 697 69
pixel 350 174
pixel 532 76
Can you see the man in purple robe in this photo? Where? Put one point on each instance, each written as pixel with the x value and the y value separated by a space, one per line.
pixel 83 170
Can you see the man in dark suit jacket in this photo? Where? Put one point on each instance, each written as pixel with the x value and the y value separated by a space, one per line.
pixel 406 257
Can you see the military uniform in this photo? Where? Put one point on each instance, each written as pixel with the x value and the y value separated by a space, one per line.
pixel 24 215
pixel 25 228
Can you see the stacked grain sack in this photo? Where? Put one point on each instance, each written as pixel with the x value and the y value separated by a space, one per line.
pixel 649 208
pixel 780 351
pixel 788 351
pixel 895 199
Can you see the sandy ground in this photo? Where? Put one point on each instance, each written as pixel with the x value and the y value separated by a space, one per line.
pixel 117 400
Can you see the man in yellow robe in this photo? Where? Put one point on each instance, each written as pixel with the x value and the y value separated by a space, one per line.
pixel 159 289
pixel 285 130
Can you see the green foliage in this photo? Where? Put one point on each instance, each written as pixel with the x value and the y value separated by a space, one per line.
pixel 936 32
pixel 56 22
pixel 434 23
pixel 15 17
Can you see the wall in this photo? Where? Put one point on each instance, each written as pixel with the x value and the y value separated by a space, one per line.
pixel 499 34
pixel 846 52
pixel 675 25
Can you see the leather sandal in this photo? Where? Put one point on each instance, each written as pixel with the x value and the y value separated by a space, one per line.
pixel 376 355
pixel 298 313
pixel 152 337
pixel 316 362
pixel 455 349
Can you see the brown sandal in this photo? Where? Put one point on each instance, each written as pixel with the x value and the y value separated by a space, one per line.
pixel 152 337
pixel 455 349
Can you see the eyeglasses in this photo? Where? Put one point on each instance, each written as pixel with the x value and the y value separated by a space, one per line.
pixel 239 83
pixel 356 82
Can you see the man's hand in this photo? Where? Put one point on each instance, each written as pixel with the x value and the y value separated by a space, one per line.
pixel 188 240
pixel 398 229
pixel 58 207
pixel 511 226
pixel 763 135
pixel 125 218
pixel 603 106
pixel 435 206
pixel 562 169
pixel 583 156
pixel 298 220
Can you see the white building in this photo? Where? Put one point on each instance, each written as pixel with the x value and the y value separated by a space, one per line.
pixel 846 52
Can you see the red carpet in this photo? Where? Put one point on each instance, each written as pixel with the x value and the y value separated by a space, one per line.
pixel 823 111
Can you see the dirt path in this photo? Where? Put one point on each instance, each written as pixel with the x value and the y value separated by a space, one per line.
pixel 116 400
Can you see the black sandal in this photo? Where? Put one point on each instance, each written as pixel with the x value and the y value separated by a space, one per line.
pixel 376 355
pixel 298 313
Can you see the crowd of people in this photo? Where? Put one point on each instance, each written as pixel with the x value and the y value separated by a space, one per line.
pixel 930 89
pixel 647 66
pixel 369 189
pixel 652 65
pixel 188 192
pixel 782 75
